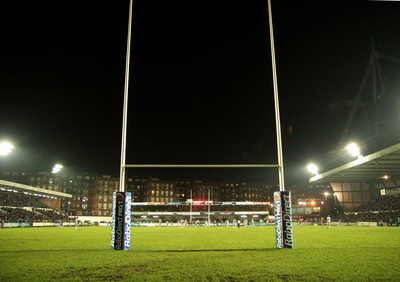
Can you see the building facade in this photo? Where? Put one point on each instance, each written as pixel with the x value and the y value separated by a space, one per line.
pixel 92 194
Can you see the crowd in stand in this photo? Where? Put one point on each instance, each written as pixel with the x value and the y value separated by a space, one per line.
pixel 7 200
pixel 11 210
pixel 384 211
pixel 22 215
pixel 385 203
pixel 19 215
pixel 54 216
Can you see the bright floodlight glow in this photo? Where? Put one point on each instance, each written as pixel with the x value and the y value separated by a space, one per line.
pixel 327 193
pixel 57 168
pixel 353 149
pixel 5 148
pixel 312 168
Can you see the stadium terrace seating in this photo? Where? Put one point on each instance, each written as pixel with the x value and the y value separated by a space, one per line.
pixel 385 209
pixel 13 214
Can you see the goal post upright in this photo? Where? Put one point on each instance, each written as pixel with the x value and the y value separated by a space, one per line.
pixel 125 105
pixel 276 102
pixel 282 199
pixel 121 206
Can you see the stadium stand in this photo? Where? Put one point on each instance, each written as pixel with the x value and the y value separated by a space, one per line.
pixel 385 211
pixel 14 208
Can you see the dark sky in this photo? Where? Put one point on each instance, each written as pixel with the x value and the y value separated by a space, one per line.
pixel 200 82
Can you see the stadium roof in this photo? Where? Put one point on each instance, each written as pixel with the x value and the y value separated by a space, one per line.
pixel 380 167
pixel 22 188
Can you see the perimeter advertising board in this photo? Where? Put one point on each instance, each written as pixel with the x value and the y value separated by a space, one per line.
pixel 121 221
pixel 283 219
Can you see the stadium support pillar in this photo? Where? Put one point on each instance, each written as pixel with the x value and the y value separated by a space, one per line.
pixel 283 220
pixel 121 221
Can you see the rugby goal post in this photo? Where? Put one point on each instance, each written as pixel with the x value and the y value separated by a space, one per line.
pixel 282 202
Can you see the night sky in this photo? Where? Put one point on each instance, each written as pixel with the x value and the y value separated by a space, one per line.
pixel 200 83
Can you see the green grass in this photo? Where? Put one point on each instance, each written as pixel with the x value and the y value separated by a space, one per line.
pixel 200 254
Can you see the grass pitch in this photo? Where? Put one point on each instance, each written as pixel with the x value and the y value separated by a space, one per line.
pixel 200 254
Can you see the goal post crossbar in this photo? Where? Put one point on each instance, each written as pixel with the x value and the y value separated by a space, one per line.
pixel 202 166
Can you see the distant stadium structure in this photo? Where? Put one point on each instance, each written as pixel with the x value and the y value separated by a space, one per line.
pixel 373 123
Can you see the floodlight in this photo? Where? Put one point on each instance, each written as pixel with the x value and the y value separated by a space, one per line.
pixel 353 150
pixel 5 148
pixel 312 168
pixel 56 168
